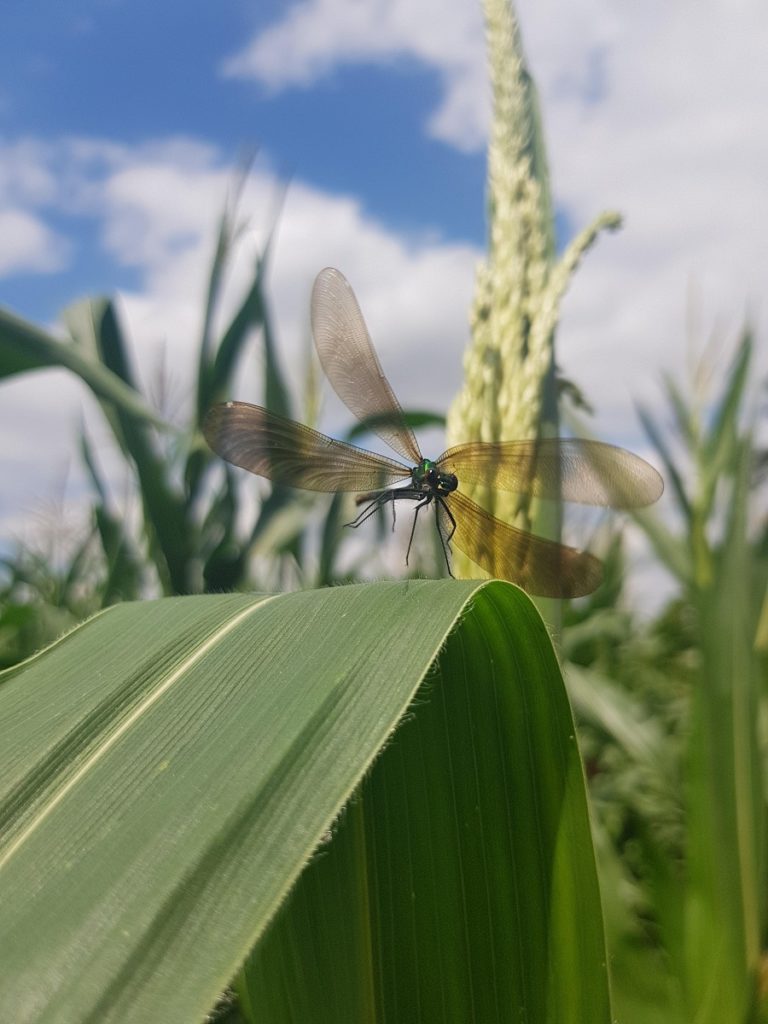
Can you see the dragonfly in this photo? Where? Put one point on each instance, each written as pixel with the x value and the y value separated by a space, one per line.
pixel 292 454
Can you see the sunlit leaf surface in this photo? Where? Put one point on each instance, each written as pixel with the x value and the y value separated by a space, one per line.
pixel 168 769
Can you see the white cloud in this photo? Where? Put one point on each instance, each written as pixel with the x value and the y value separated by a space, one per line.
pixel 27 244
pixel 27 183
pixel 655 110
pixel 317 35
pixel 674 141
pixel 26 175
pixel 157 210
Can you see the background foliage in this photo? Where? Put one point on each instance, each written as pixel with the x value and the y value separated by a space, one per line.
pixel 670 711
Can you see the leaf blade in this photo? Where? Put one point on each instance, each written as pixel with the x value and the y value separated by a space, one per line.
pixel 157 864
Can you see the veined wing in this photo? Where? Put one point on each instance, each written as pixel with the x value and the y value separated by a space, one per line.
pixel 292 454
pixel 539 566
pixel 351 365
pixel 589 472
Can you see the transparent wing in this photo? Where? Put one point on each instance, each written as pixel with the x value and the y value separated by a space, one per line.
pixel 351 365
pixel 290 453
pixel 589 472
pixel 539 566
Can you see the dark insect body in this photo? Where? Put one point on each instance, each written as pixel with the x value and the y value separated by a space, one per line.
pixel 289 453
pixel 428 485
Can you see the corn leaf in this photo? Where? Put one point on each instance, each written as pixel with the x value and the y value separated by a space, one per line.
pixel 168 769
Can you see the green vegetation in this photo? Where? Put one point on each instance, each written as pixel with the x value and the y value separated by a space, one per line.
pixel 672 731
pixel 188 541
pixel 366 802
pixel 168 768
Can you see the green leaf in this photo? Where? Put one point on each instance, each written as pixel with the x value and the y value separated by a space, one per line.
pixel 672 472
pixel 225 237
pixel 618 715
pixel 95 326
pixel 672 551
pixel 252 314
pixel 225 556
pixel 720 446
pixel 330 539
pixel 725 907
pixel 417 419
pixel 684 414
pixel 24 347
pixel 214 375
pixel 456 886
pixel 167 769
pixel 123 564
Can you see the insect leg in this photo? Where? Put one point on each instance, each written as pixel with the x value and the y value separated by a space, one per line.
pixel 369 509
pixel 450 516
pixel 422 503
pixel 445 541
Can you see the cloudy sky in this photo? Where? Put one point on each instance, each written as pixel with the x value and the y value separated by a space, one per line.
pixel 121 123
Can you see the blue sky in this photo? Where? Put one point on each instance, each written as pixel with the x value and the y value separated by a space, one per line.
pixel 120 125
pixel 147 71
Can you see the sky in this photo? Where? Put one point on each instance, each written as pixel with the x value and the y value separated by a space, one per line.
pixel 122 125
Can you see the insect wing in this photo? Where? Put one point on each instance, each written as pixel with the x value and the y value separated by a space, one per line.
pixel 350 363
pixel 589 472
pixel 289 453
pixel 539 566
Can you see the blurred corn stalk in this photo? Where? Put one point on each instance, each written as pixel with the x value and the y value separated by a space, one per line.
pixel 191 529
pixel 510 386
pixel 722 563
pixel 679 783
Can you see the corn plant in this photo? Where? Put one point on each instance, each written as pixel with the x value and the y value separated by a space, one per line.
pixel 189 540
pixel 678 775
pixel 357 803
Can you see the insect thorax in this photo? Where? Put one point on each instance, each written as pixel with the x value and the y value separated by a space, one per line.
pixel 428 478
